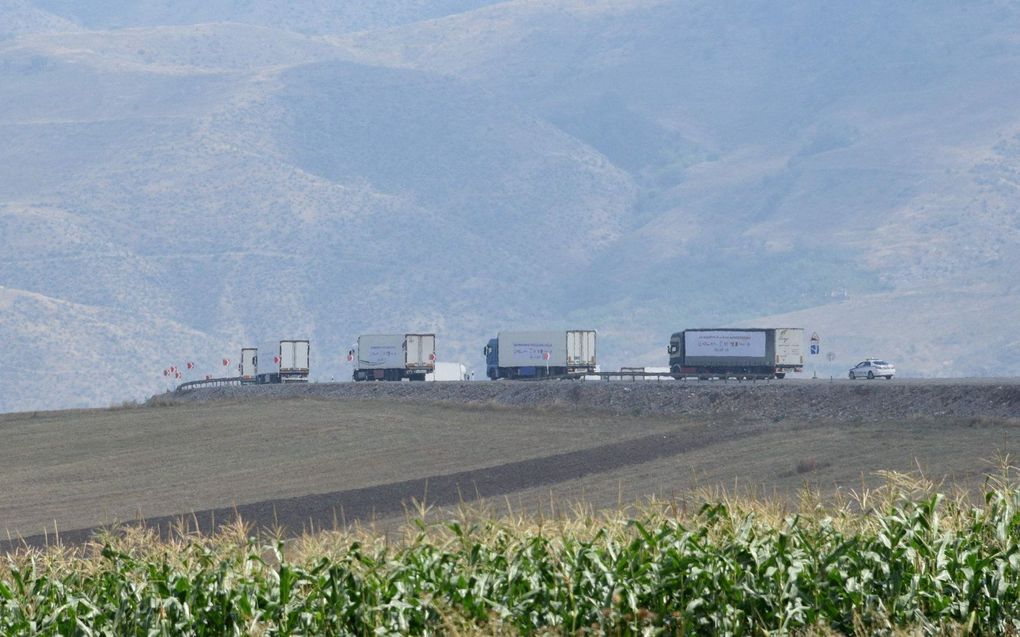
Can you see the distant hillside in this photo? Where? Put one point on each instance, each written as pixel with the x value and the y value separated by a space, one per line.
pixel 179 180
pixel 21 16
pixel 308 16
pixel 780 153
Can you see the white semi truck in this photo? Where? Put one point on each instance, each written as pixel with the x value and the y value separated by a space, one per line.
pixel 287 361
pixel 541 353
pixel 394 356
pixel 247 368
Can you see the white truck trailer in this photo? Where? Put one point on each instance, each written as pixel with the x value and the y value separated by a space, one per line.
pixel 248 369
pixel 294 361
pixel 541 353
pixel 395 356
pixel 736 353
pixel 448 372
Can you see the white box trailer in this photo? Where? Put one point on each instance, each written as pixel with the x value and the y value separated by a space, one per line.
pixel 446 372
pixel 380 351
pixel 395 356
pixel 581 349
pixel 294 361
pixel 541 353
pixel 789 347
pixel 267 363
pixel 248 367
pixel 420 351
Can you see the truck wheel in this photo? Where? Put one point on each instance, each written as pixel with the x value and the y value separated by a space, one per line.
pixel 871 375
pixel 781 375
pixel 889 377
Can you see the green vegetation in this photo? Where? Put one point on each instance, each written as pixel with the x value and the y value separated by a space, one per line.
pixel 899 558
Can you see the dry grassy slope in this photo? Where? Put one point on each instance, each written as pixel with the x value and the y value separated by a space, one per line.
pixel 781 463
pixel 85 468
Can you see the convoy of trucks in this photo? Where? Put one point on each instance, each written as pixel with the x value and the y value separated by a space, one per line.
pixel 540 353
pixel 395 356
pixel 286 361
pixel 693 353
pixel 740 353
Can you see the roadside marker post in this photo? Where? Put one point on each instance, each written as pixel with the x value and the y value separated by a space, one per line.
pixel 816 347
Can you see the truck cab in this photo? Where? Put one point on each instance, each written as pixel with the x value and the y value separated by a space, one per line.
pixel 491 353
pixel 675 351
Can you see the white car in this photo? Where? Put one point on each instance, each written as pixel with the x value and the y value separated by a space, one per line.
pixel 872 368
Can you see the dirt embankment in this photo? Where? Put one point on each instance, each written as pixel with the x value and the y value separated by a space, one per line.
pixel 818 400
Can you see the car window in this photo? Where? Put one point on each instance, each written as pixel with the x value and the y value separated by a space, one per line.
pixel 881 363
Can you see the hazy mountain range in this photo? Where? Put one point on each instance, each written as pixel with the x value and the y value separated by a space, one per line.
pixel 178 180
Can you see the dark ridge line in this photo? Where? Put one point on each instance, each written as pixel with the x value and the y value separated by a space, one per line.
pixel 321 511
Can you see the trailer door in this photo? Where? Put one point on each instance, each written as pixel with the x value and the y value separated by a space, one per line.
pixel 581 349
pixel 249 360
pixel 789 346
pixel 286 355
pixel 428 350
pixel 421 351
pixel 301 355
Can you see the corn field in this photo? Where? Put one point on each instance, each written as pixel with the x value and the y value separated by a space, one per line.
pixel 901 559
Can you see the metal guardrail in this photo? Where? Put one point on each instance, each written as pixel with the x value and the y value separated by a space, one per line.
pixel 630 376
pixel 210 382
pixel 621 375
pixel 617 375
